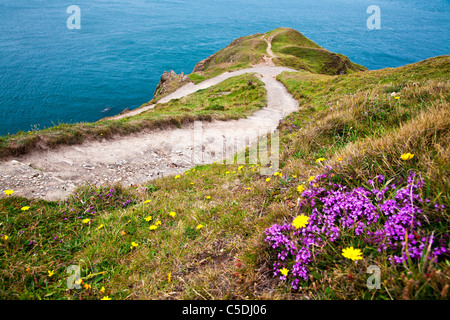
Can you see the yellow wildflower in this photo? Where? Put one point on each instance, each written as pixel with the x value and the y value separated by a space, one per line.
pixel 294 176
pixel 100 226
pixel 28 270
pixel 284 271
pixel 240 168
pixel 86 220
pixel 105 298
pixel 157 223
pixel 147 201
pixel 5 237
pixel 134 245
pixel 407 156
pixel 276 173
pixel 320 160
pixel 300 188
pixel 122 233
pixel 339 159
pixel 300 221
pixel 148 218
pixel 199 227
pixel 8 192
pixel 172 214
pixel 102 290
pixel 351 253
pixel 169 276
pixel 208 197
pixel 153 227
pixel 26 208
pixel 51 273
pixel 87 287
pixel 177 176
pixel 311 178
pixel 268 179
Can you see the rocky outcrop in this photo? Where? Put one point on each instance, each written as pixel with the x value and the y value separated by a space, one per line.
pixel 169 82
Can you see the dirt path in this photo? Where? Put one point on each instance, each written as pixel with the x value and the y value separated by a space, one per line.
pixel 138 158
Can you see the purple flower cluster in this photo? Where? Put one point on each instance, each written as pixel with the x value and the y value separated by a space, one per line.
pixel 386 216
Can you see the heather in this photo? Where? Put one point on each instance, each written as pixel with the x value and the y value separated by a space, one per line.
pixel 381 217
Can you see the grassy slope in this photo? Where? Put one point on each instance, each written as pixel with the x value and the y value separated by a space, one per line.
pixel 247 94
pixel 296 51
pixel 342 116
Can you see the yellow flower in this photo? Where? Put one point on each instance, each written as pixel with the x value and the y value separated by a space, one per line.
pixel 320 160
pixel 87 287
pixel 240 168
pixel 268 179
pixel 276 173
pixel 208 197
pixel 79 281
pixel 300 221
pixel 199 227
pixel 311 178
pixel 157 223
pixel 177 176
pixel 51 273
pixel 8 192
pixel 300 188
pixel 169 276
pixel 172 214
pixel 105 298
pixel 147 201
pixel 5 237
pixel 227 172
pixel 294 176
pixel 25 208
pixel 407 156
pixel 397 97
pixel 193 170
pixel 315 185
pixel 284 271
pixel 133 245
pixel 86 220
pixel 100 226
pixel 148 218
pixel 350 253
pixel 248 188
pixel 192 183
pixel 153 227
pixel 339 159
pixel 102 290
pixel 28 270
pixel 122 233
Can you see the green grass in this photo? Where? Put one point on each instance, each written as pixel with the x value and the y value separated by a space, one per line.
pixel 296 51
pixel 349 116
pixel 239 54
pixel 244 95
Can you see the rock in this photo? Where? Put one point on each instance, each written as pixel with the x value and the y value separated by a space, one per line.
pixel 124 111
pixel 167 82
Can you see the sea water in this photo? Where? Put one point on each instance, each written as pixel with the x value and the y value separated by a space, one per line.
pixel 50 73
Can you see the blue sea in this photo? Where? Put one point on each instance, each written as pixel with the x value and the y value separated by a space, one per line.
pixel 51 74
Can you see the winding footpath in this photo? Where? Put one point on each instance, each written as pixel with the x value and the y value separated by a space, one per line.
pixel 138 158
